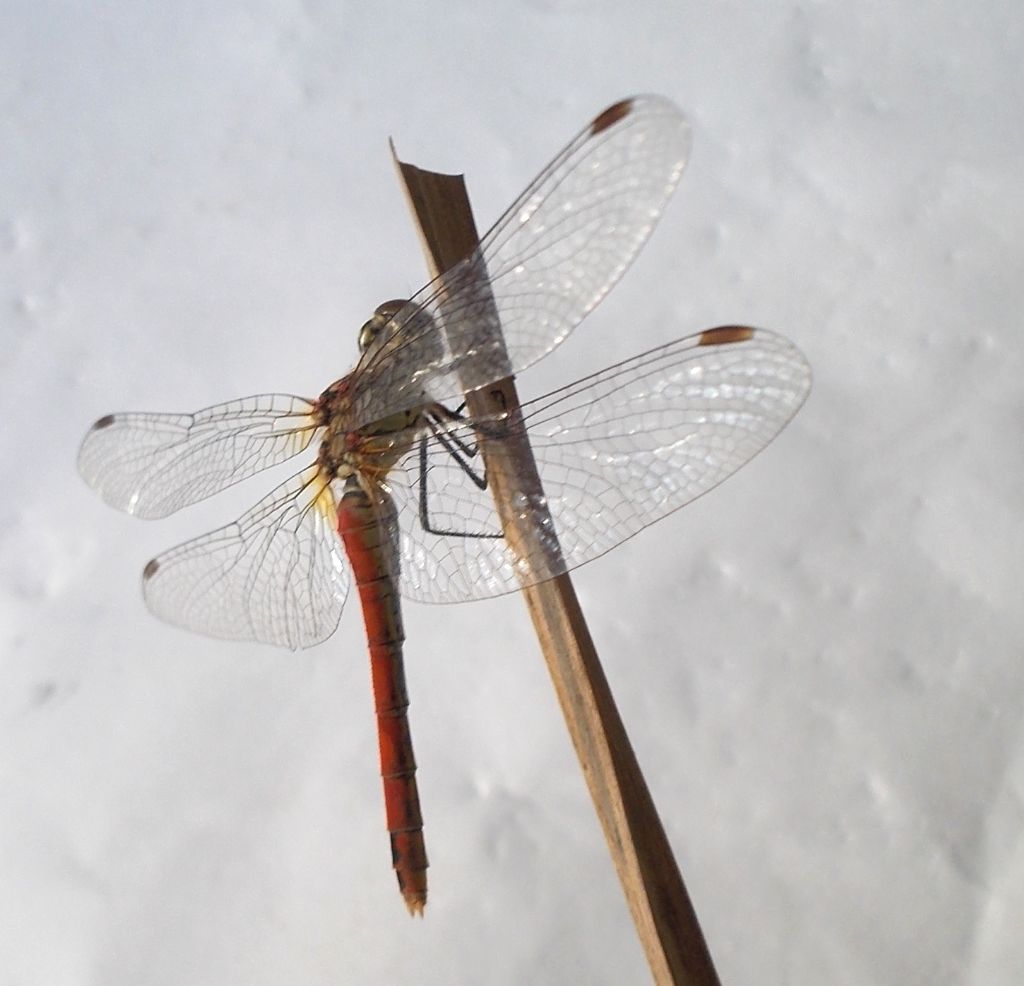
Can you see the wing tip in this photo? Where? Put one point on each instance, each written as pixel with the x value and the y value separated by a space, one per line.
pixel 724 335
pixel 105 422
pixel 609 117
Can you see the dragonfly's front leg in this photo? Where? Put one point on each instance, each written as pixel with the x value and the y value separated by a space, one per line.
pixel 462 452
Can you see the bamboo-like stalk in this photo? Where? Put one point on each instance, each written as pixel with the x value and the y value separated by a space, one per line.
pixel 654 889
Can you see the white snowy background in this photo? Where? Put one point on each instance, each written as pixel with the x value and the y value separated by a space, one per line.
pixel 819 664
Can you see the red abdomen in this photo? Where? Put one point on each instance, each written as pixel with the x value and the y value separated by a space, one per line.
pixel 367 528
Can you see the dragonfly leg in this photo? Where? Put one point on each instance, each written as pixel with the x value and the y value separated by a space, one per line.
pixel 462 452
pixel 451 440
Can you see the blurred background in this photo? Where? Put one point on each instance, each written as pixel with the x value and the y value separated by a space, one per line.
pixel 819 664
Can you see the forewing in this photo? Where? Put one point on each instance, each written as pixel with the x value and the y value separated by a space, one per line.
pixel 616 452
pixel 153 464
pixel 277 575
pixel 542 267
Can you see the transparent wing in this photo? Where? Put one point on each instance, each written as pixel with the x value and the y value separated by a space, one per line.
pixel 153 464
pixel 616 452
pixel 277 575
pixel 544 265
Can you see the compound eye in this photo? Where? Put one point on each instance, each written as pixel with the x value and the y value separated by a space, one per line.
pixel 382 316
pixel 389 309
pixel 368 333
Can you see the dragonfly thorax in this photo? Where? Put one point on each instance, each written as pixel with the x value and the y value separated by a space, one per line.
pixel 371 450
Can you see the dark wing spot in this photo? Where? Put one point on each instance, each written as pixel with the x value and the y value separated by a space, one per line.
pixel 105 422
pixel 725 334
pixel 610 116
pixel 152 566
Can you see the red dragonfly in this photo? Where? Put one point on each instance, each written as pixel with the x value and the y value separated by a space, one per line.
pixel 397 494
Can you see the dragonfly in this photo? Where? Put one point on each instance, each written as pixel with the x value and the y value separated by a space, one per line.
pixel 396 498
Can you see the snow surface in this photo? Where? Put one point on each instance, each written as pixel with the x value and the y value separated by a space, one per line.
pixel 819 664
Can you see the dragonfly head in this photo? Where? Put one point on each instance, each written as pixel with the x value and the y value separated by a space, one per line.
pixel 373 330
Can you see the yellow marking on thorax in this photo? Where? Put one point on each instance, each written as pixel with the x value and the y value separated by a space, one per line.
pixel 324 502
